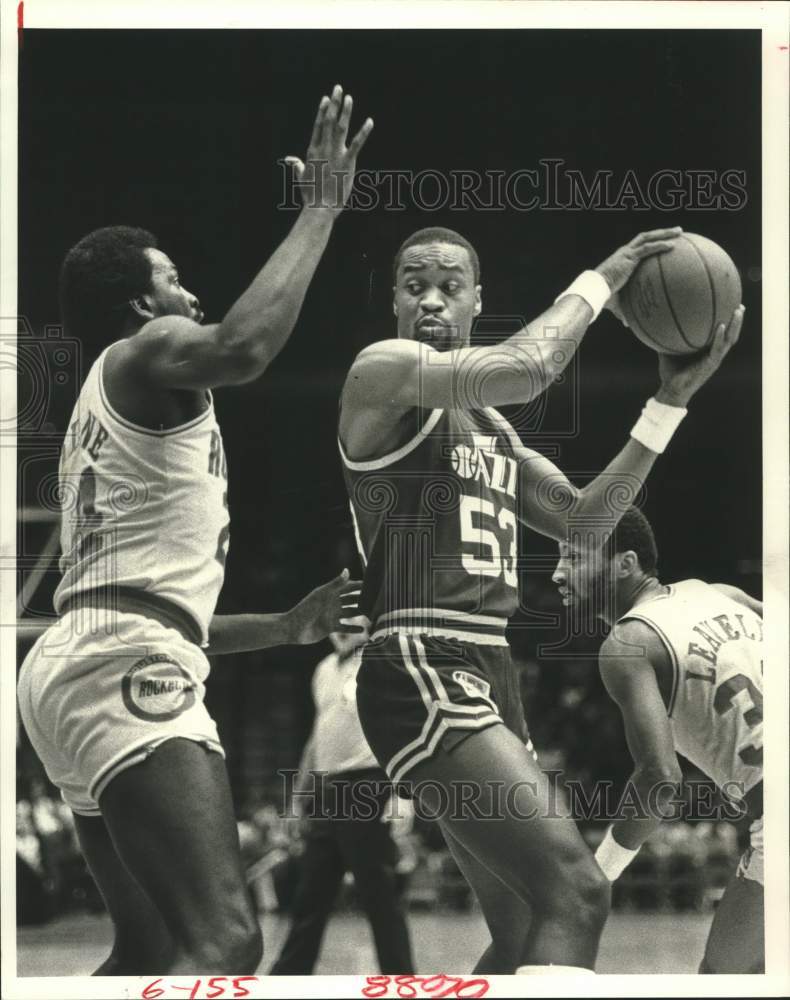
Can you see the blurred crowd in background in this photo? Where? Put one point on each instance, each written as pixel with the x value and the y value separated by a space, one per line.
pixel 683 867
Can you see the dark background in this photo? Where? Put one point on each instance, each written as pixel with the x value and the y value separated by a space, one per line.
pixel 180 132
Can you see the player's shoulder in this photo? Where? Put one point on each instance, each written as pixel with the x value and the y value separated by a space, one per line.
pixel 133 354
pixel 632 639
pixel 692 583
pixel 153 333
pixel 379 371
pixel 392 351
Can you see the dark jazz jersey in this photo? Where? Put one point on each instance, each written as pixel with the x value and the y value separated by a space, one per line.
pixel 436 525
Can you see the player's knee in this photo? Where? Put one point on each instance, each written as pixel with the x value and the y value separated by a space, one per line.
pixel 228 939
pixel 244 945
pixel 593 893
pixel 237 947
pixel 582 893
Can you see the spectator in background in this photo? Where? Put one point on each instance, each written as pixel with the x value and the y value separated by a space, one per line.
pixel 352 819
pixel 33 900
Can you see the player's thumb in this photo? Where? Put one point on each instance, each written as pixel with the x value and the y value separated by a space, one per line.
pixel 344 577
pixel 296 163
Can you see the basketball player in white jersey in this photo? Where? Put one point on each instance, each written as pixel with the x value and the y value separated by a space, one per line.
pixel 684 663
pixel 112 695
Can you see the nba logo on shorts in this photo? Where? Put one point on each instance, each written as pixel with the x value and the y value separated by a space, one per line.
pixel 474 687
pixel 157 689
pixel 465 461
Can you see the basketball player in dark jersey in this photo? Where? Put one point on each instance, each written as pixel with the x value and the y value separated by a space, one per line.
pixel 437 480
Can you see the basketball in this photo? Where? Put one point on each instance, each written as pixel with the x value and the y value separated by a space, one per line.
pixel 674 301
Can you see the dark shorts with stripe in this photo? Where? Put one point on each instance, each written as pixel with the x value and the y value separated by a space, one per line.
pixel 415 692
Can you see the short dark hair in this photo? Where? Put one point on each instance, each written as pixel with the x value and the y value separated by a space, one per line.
pixel 438 234
pixel 99 275
pixel 634 534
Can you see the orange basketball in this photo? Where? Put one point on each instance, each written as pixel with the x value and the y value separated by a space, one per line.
pixel 674 301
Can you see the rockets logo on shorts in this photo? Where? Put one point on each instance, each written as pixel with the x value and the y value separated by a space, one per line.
pixel 157 689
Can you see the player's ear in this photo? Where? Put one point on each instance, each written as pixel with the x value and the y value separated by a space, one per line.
pixel 394 303
pixel 629 563
pixel 142 307
pixel 478 299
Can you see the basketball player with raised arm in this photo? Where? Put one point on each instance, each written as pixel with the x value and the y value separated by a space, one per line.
pixel 437 479
pixel 112 695
pixel 684 663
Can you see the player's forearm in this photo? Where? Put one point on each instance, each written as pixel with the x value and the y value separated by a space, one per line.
pixel 615 488
pixel 522 367
pixel 649 800
pixel 261 320
pixel 245 633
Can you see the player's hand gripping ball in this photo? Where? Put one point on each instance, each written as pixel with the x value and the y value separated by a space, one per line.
pixel 674 301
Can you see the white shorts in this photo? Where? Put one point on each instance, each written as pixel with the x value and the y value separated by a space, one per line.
pixel 751 863
pixel 97 700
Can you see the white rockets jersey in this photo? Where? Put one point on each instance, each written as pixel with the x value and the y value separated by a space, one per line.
pixel 142 509
pixel 716 706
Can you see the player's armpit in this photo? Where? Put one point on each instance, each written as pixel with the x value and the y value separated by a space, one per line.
pixel 736 594
pixel 174 352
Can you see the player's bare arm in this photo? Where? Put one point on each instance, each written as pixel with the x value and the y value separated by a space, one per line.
pixel 175 352
pixel 393 376
pixel 740 597
pixel 549 502
pixel 325 609
pixel 634 667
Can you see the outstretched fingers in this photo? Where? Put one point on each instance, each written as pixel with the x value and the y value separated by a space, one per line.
pixel 318 124
pixel 361 138
pixel 345 116
pixel 333 108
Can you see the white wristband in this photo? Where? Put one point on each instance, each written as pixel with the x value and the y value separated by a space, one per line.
pixel 593 288
pixel 654 429
pixel 612 857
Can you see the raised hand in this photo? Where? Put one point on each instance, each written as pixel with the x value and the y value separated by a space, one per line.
pixel 682 375
pixel 326 609
pixel 327 175
pixel 618 268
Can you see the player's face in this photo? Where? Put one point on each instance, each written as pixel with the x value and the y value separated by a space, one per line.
pixel 436 298
pixel 582 575
pixel 167 296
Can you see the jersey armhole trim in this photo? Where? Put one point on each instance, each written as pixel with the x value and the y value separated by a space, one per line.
pixel 136 428
pixel 394 456
pixel 505 427
pixel 670 650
